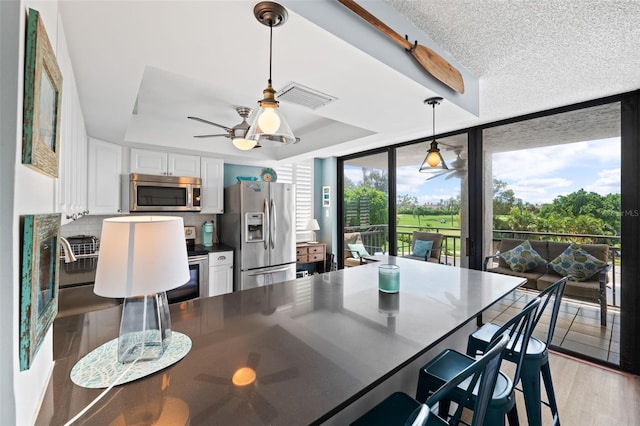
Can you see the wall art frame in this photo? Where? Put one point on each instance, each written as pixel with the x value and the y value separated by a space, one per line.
pixel 42 100
pixel 39 258
pixel 326 196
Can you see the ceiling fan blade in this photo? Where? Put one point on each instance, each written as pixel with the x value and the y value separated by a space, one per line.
pixel 460 173
pixel 435 175
pixel 433 63
pixel 202 120
pixel 212 136
pixel 280 376
pixel 265 411
pixel 253 358
pixel 212 379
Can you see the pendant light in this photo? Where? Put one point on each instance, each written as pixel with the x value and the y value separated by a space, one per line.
pixel 433 160
pixel 269 123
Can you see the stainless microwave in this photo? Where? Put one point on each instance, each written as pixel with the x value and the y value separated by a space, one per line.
pixel 151 193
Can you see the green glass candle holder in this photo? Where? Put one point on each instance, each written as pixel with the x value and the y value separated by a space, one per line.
pixel 389 278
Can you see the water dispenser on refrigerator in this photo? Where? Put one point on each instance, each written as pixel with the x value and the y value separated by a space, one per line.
pixel 255 227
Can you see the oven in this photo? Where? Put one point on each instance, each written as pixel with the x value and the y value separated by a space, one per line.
pixel 76 280
pixel 198 285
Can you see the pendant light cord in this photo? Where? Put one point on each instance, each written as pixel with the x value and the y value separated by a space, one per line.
pixel 434 121
pixel 270 48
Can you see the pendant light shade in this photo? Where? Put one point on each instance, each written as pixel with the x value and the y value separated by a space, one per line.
pixel 269 123
pixel 433 160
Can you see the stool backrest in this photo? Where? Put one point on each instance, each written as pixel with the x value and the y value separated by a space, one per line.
pixel 519 329
pixel 556 289
pixel 484 369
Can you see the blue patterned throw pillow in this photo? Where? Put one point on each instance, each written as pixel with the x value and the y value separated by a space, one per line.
pixel 422 248
pixel 576 263
pixel 522 258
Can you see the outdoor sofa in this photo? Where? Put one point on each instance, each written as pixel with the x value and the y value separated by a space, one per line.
pixel 591 289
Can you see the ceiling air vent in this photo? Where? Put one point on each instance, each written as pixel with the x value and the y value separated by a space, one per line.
pixel 305 96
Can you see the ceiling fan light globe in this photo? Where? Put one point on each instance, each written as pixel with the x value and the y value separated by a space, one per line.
pixel 244 144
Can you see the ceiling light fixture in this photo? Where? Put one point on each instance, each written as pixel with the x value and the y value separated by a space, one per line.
pixel 269 123
pixel 434 159
pixel 239 132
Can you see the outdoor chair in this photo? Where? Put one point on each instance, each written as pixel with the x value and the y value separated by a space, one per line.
pixel 354 251
pixel 432 241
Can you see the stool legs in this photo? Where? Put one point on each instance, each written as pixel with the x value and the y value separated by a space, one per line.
pixel 530 378
pixel 551 396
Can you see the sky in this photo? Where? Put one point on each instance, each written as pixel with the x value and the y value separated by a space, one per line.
pixel 536 175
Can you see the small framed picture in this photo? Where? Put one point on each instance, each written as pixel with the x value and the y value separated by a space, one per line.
pixel 42 100
pixel 326 196
pixel 39 281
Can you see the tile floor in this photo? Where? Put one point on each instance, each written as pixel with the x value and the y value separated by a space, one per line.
pixel 577 329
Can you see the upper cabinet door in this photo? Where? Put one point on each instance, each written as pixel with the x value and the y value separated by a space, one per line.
pixel 162 163
pixel 104 177
pixel 184 165
pixel 212 170
pixel 148 162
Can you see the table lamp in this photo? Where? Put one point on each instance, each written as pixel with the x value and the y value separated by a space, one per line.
pixel 141 257
pixel 312 225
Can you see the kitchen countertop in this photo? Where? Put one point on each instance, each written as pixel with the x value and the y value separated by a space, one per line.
pixel 316 345
pixel 216 247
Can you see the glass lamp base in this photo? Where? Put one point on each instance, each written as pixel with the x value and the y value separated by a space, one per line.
pixel 145 328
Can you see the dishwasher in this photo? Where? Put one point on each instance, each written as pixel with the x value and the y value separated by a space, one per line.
pixel 75 294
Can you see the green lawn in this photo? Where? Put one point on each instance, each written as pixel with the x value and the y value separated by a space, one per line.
pixel 438 221
pixel 408 223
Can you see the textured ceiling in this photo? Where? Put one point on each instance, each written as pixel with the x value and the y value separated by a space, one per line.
pixel 532 55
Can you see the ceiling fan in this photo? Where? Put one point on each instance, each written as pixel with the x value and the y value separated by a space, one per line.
pixel 236 133
pixel 457 167
pixel 243 389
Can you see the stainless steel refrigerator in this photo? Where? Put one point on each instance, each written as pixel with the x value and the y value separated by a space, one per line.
pixel 259 222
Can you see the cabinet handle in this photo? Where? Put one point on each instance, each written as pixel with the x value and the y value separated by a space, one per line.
pixel 222 257
pixel 119 210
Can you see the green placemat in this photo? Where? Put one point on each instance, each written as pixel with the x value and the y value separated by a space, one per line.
pixel 100 367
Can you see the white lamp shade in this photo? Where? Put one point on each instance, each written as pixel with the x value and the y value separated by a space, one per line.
pixel 312 225
pixel 141 255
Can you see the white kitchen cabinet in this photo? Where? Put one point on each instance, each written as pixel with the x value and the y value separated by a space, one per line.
pixel 163 163
pixel 212 174
pixel 220 273
pixel 71 185
pixel 183 165
pixel 104 177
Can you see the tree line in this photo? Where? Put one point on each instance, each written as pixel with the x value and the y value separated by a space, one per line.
pixel 580 212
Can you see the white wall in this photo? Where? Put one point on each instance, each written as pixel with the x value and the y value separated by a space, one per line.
pixel 22 191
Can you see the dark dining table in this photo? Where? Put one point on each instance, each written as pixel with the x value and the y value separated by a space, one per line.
pixel 316 345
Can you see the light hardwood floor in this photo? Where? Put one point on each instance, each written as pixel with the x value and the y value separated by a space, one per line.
pixel 590 395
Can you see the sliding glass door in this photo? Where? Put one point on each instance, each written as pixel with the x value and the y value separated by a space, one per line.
pixel 555 180
pixel 434 201
pixel 365 202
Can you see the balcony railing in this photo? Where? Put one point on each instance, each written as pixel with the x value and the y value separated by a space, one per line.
pixel 375 239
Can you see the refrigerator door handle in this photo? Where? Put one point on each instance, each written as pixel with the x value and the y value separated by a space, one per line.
pixel 267 222
pixel 273 221
pixel 270 271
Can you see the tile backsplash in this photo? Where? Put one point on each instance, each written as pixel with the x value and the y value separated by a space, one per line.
pixel 92 225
